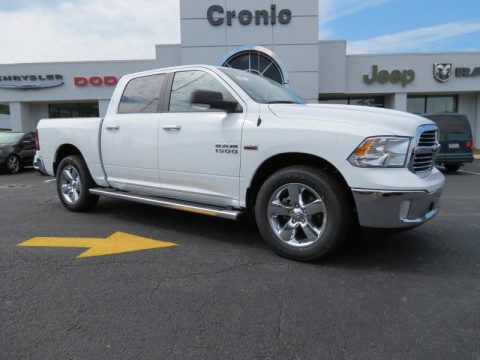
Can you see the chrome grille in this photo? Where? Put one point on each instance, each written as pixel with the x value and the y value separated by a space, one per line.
pixel 425 149
pixel 428 138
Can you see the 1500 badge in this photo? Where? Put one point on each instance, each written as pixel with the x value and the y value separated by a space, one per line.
pixel 226 148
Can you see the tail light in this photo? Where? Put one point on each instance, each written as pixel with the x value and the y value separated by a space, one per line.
pixel 37 142
pixel 469 144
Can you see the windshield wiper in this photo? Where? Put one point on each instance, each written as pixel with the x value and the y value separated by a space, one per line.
pixel 282 102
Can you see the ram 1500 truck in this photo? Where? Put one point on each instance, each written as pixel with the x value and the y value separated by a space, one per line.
pixel 220 142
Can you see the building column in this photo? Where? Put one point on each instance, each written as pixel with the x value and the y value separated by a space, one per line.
pixel 476 124
pixel 21 117
pixel 397 101
pixel 103 107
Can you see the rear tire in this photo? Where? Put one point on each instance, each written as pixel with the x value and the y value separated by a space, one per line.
pixel 13 164
pixel 73 184
pixel 303 213
pixel 451 168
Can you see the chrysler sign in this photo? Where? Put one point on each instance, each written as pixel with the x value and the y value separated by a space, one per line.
pixel 27 82
pixel 217 15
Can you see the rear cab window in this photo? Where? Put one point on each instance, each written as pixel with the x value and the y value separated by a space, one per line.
pixel 142 95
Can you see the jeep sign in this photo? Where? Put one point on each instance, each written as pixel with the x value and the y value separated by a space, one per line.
pixel 216 17
pixel 403 77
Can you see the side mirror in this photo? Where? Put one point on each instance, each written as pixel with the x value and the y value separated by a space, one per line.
pixel 215 100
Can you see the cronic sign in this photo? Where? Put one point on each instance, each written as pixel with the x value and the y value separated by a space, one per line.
pixel 217 16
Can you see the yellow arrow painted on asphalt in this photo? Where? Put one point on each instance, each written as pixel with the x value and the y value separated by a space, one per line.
pixel 115 244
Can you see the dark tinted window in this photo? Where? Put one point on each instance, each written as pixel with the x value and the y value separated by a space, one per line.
pixel 375 101
pixel 434 104
pixel 4 109
pixel 186 82
pixel 142 95
pixel 451 124
pixel 68 110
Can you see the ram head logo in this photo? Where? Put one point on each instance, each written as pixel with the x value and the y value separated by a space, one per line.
pixel 442 72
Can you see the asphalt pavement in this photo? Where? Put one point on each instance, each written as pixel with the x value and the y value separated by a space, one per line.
pixel 221 293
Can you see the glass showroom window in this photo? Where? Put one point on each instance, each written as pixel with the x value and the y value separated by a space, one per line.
pixel 256 62
pixel 424 104
pixel 4 109
pixel 375 101
pixel 67 110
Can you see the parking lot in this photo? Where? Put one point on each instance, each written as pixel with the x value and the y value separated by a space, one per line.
pixel 221 293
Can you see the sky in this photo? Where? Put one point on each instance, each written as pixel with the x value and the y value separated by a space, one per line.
pixel 66 30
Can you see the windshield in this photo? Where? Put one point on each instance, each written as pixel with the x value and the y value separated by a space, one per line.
pixel 10 138
pixel 262 90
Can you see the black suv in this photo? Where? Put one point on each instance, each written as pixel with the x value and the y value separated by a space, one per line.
pixel 456 144
pixel 16 150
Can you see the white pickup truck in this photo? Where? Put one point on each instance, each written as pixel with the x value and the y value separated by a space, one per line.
pixel 220 142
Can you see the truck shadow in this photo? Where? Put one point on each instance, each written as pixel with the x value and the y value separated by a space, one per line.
pixel 419 250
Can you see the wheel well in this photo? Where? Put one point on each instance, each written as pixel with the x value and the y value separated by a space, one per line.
pixel 62 152
pixel 281 161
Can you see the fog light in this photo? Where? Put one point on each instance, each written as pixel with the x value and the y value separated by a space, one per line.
pixel 404 209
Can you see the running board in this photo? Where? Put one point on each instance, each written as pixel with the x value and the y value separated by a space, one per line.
pixel 169 203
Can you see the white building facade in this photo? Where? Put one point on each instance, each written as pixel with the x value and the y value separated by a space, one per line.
pixel 277 39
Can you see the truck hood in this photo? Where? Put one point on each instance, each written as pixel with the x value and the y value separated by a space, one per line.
pixel 380 121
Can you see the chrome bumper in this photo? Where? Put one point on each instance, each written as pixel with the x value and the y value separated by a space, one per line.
pixel 395 209
pixel 38 164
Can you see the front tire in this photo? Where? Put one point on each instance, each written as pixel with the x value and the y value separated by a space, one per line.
pixel 303 212
pixel 73 184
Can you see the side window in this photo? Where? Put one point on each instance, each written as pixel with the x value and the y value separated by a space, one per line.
pixel 185 82
pixel 28 137
pixel 142 95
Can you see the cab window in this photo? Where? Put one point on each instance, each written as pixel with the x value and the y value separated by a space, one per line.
pixel 186 82
pixel 142 95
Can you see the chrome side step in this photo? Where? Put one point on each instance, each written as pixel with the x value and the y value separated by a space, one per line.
pixel 169 203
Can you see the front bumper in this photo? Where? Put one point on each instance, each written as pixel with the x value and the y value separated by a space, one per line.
pixel 395 209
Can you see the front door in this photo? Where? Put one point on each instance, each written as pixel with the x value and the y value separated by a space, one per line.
pixel 199 147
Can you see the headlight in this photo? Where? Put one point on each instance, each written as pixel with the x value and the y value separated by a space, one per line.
pixel 381 151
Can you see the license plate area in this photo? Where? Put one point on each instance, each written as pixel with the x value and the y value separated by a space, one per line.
pixel 454 146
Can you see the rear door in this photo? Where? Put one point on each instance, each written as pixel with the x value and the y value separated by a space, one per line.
pixel 199 147
pixel 129 137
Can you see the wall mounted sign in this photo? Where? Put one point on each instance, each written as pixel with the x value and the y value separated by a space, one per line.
pixel 82 81
pixel 403 77
pixel 444 71
pixel 216 16
pixel 30 82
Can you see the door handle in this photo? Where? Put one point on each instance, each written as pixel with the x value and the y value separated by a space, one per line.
pixel 112 127
pixel 172 127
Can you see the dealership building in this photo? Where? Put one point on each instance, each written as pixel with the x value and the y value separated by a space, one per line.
pixel 277 39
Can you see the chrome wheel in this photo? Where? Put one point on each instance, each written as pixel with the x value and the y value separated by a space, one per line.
pixel 71 184
pixel 13 164
pixel 297 214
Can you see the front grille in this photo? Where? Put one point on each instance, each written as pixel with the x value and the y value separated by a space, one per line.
pixel 423 162
pixel 428 138
pixel 425 151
